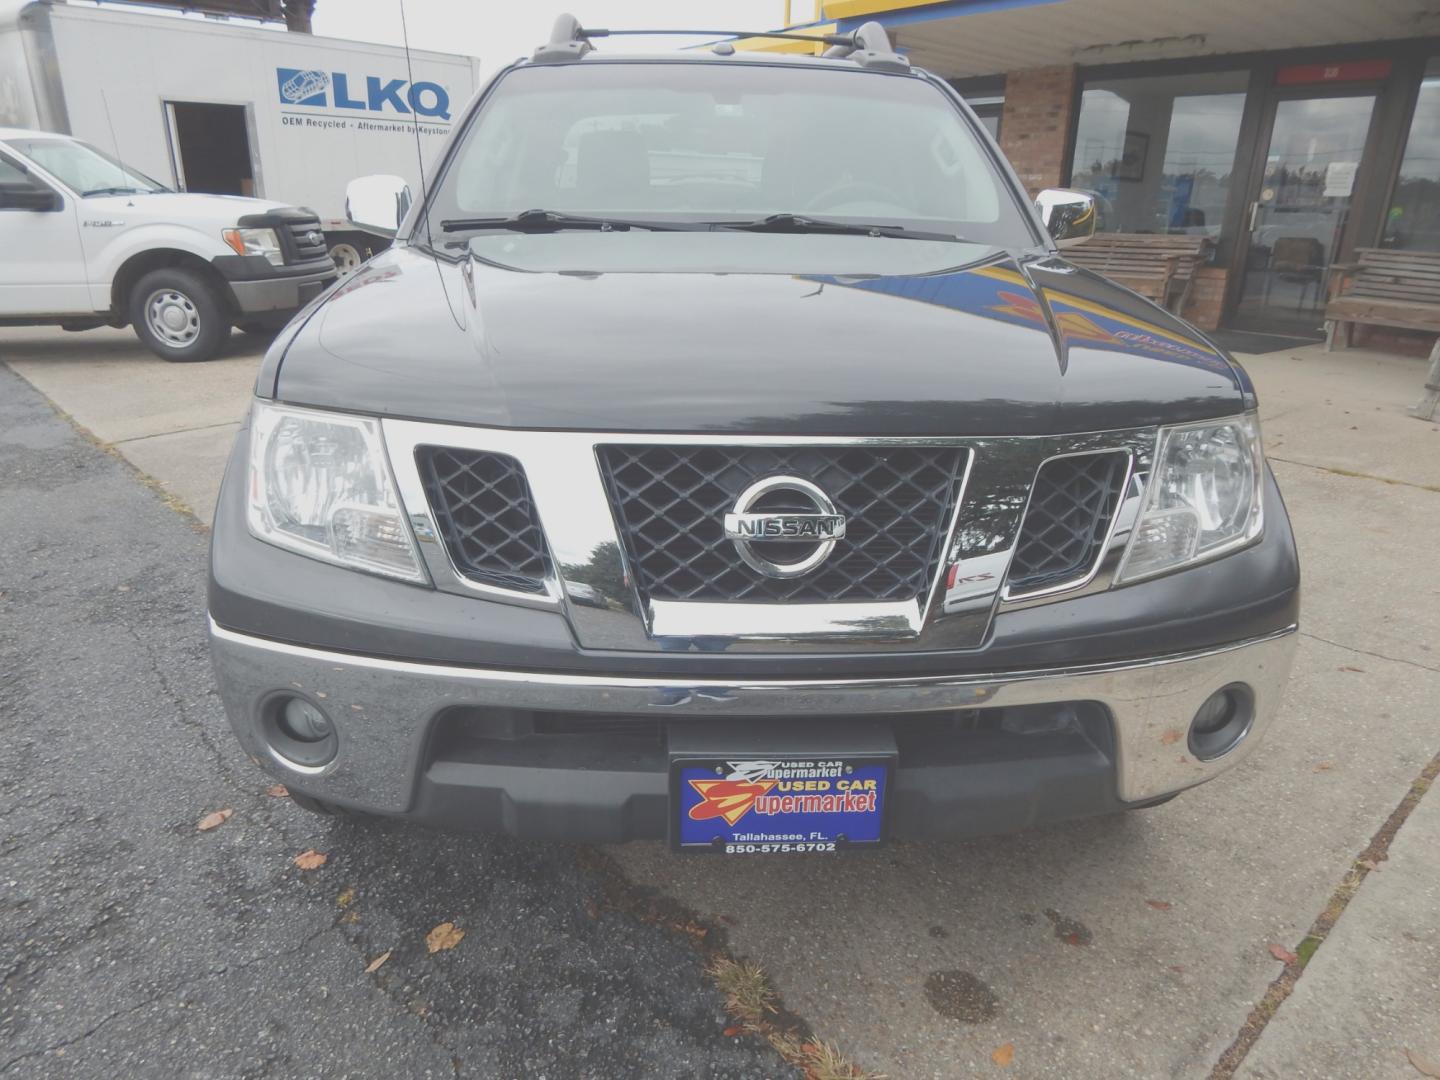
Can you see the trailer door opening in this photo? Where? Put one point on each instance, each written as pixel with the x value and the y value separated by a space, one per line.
pixel 210 145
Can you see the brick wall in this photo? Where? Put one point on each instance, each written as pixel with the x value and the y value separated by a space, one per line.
pixel 1207 297
pixel 1035 125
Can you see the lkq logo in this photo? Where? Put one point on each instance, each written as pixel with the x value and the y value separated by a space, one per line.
pixel 365 93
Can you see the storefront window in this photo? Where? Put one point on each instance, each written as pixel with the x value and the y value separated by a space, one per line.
pixel 1159 152
pixel 988 110
pixel 1413 221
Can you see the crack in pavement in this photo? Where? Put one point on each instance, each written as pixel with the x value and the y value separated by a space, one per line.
pixel 176 987
pixel 1352 474
pixel 1368 652
pixel 177 431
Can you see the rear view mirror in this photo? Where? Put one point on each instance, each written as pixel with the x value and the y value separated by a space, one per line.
pixel 1069 216
pixel 23 196
pixel 377 203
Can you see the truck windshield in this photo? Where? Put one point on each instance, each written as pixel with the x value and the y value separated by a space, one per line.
pixel 666 149
pixel 85 169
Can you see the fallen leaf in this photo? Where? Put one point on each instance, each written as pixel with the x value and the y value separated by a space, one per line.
pixel 1423 1065
pixel 1368 864
pixel 379 962
pixel 1072 938
pixel 344 899
pixel 212 821
pixel 1178 969
pixel 278 791
pixel 1324 766
pixel 445 936
pixel 731 1031
pixel 1170 738
pixel 1003 1055
pixel 809 1048
pixel 309 860
pixel 1159 905
pixel 1348 667
pixel 1284 955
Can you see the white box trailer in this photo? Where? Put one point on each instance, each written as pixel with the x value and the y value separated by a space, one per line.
pixel 224 108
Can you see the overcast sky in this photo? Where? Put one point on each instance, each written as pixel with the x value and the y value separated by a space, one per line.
pixel 499 32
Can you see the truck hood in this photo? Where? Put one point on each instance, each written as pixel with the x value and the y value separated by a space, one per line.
pixel 178 207
pixel 1007 346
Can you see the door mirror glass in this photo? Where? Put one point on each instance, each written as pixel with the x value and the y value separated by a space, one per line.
pixel 1068 216
pixel 377 203
pixel 23 193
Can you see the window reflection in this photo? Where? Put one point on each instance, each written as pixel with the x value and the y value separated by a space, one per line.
pixel 1413 220
pixel 1159 152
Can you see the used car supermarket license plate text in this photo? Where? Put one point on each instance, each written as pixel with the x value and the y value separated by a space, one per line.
pixel 780 806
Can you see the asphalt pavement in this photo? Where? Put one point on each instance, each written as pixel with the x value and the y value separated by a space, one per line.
pixel 1151 944
pixel 135 945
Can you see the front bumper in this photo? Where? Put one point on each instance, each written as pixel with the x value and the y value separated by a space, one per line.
pixel 259 287
pixel 410 735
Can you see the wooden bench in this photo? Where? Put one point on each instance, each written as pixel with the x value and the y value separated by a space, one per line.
pixel 1159 266
pixel 1399 289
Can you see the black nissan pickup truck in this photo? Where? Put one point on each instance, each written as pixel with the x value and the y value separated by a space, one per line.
pixel 725 453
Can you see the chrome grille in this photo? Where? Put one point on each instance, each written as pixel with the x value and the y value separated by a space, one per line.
pixel 1071 506
pixel 670 503
pixel 485 515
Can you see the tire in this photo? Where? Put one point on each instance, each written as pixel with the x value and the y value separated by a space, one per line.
pixel 178 315
pixel 261 328
pixel 347 257
pixel 1152 803
pixel 315 806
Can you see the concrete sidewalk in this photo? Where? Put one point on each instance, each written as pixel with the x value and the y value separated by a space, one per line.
pixel 174 422
pixel 1175 909
pixel 1368 1004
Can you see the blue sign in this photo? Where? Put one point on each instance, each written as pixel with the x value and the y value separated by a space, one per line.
pixel 778 807
pixel 368 93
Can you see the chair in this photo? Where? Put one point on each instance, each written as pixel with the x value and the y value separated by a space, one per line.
pixel 1297 259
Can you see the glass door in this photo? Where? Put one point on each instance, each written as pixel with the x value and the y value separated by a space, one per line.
pixel 1297 217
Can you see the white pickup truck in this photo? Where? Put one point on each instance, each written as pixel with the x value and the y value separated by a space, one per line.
pixel 87 241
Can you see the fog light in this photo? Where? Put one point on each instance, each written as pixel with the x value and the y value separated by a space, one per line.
pixel 304 722
pixel 298 731
pixel 1222 721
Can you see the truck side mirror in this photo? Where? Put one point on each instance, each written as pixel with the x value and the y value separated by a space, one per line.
pixel 1068 215
pixel 23 196
pixel 377 203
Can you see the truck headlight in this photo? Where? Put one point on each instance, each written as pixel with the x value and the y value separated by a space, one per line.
pixel 320 485
pixel 255 242
pixel 1204 498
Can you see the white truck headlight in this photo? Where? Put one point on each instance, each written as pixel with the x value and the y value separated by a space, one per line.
pixel 320 485
pixel 255 242
pixel 1205 497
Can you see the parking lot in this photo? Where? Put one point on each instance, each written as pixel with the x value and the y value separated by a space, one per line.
pixel 1279 922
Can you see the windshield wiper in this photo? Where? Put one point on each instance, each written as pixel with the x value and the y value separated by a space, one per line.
pixel 554 221
pixel 798 223
pixel 116 191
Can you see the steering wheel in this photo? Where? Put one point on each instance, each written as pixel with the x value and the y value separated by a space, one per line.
pixel 859 188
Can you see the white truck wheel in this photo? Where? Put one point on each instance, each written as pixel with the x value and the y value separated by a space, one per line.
pixel 347 257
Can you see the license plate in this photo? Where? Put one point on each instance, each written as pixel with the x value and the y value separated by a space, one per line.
pixel 778 806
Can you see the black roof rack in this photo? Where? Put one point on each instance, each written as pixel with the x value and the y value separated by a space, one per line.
pixel 869 46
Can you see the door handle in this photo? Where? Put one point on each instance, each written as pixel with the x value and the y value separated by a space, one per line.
pixel 1254 213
